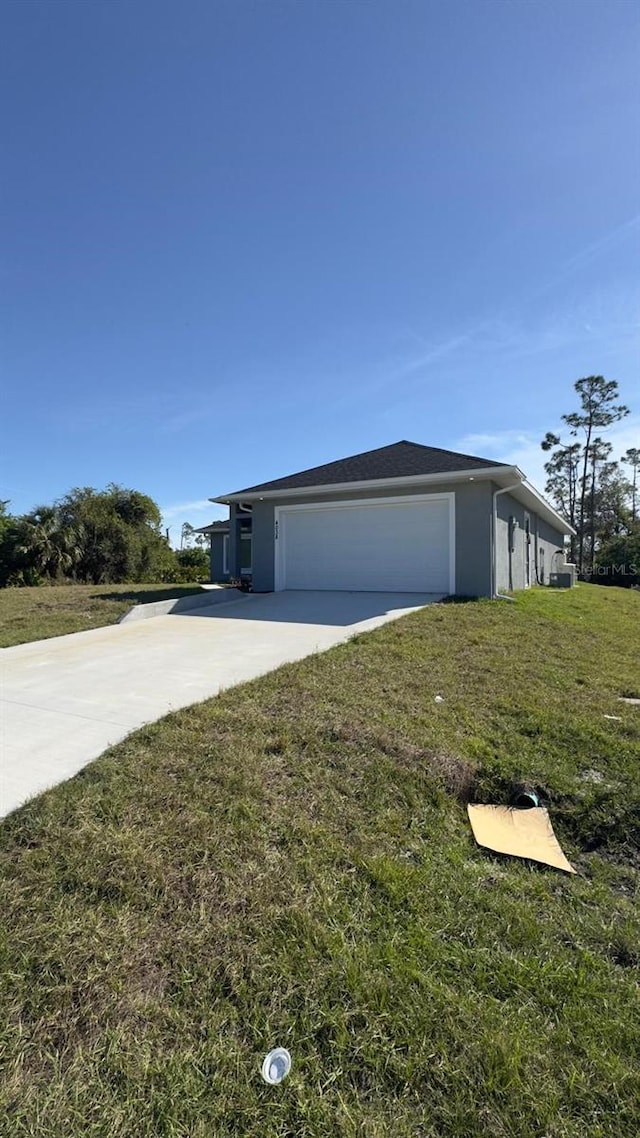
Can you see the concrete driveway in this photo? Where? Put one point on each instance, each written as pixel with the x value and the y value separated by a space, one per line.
pixel 65 700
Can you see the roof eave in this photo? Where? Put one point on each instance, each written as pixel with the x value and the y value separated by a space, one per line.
pixel 213 529
pixel 471 474
pixel 500 473
pixel 543 508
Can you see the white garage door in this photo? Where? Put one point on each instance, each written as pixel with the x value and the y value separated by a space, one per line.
pixel 397 544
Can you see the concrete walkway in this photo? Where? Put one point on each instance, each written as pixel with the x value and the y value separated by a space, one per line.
pixel 65 700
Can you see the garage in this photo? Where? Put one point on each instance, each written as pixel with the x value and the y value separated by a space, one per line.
pixel 403 517
pixel 403 544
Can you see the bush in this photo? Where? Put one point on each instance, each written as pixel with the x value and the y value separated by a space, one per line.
pixel 94 537
pixel 618 562
pixel 193 565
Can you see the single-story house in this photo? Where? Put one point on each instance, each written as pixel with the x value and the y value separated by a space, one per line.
pixel 401 518
pixel 218 534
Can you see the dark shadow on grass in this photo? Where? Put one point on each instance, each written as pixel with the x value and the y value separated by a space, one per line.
pixel 459 600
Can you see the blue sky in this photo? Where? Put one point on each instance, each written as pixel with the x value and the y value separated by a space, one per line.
pixel 244 238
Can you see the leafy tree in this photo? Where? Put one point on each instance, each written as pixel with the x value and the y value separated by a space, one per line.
pixel 50 548
pixel 119 534
pixel 598 410
pixel 194 563
pixel 611 513
pixel 574 466
pixel 562 481
pixel 189 537
pixel 98 536
pixel 186 535
pixel 7 543
pixel 618 561
pixel 632 458
pixel 600 452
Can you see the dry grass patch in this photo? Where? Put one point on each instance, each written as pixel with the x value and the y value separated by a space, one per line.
pixel 55 610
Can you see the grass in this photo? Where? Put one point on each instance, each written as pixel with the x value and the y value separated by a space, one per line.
pixel 38 613
pixel 291 864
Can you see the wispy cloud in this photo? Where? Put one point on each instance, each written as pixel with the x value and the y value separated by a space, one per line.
pixel 171 424
pixel 182 510
pixel 414 367
pixel 609 320
pixel 522 448
pixel 513 333
pixel 198 512
pixel 433 355
pixel 612 320
pixel 596 321
pixel 586 256
pixel 609 240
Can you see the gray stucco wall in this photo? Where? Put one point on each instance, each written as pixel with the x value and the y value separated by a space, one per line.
pixel 217 558
pixel 551 549
pixel 473 539
pixel 234 541
pixel 547 545
pixel 240 521
pixel 472 524
pixel 510 573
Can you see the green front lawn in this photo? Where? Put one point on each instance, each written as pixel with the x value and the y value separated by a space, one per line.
pixel 291 863
pixel 38 613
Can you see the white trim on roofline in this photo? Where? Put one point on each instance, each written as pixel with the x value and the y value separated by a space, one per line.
pixel 366 484
pixel 542 507
pixel 505 474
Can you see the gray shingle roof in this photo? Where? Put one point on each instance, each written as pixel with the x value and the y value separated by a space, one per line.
pixel 215 527
pixel 399 460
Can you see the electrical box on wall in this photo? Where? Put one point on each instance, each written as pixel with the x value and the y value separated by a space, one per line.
pixel 513 525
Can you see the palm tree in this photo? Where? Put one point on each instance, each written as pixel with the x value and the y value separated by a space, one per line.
pixel 52 549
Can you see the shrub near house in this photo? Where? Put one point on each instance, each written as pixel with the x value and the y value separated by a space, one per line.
pixel 193 563
pixel 618 563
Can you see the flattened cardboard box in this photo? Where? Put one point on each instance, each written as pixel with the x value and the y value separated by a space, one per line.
pixel 521 833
